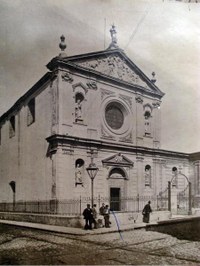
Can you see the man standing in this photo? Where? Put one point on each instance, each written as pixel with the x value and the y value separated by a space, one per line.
pixel 101 210
pixel 88 216
pixel 146 212
pixel 107 216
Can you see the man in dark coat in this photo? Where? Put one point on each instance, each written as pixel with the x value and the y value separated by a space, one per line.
pixel 88 216
pixel 146 212
pixel 107 216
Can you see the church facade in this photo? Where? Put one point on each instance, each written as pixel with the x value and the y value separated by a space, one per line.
pixel 96 107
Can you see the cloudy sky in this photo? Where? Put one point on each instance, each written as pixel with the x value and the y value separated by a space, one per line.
pixel 158 35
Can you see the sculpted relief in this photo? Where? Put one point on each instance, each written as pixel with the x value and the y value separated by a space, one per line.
pixel 116 67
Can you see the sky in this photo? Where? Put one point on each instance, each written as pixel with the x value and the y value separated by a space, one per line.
pixel 157 35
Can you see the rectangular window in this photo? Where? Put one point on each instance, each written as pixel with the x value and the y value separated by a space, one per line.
pixel 12 127
pixel 31 112
pixel 0 135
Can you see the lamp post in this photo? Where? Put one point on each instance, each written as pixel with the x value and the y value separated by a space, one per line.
pixel 92 171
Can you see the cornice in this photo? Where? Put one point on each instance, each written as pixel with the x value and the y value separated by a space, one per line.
pixel 98 75
pixel 71 61
pixel 62 140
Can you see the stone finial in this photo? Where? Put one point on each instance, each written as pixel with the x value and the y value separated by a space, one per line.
pixel 113 34
pixel 62 46
pixel 153 77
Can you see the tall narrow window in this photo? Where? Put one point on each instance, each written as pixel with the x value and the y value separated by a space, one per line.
pixel 31 112
pixel 12 127
pixel 147 176
pixel 0 135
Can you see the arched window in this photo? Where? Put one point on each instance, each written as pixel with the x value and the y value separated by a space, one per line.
pixel 79 107
pixel 147 176
pixel 79 171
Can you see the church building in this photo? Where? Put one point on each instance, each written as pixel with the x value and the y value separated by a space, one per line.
pixel 97 109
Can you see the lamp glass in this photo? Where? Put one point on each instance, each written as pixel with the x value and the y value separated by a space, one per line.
pixel 92 170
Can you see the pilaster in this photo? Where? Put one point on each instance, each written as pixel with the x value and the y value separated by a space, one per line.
pixel 158 175
pixel 156 125
pixel 140 174
pixel 139 120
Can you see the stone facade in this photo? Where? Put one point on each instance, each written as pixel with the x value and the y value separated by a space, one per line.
pixel 98 105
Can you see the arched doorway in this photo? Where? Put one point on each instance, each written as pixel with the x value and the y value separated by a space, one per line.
pixel 118 188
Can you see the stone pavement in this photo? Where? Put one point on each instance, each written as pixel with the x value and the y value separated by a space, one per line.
pixel 64 245
pixel 72 230
pixel 81 231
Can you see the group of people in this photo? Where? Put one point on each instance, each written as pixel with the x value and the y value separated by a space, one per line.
pixel 90 216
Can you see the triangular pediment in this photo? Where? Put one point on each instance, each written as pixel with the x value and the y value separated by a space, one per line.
pixel 118 160
pixel 114 64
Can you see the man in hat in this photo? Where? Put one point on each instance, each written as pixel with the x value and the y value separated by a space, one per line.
pixel 88 216
pixel 146 212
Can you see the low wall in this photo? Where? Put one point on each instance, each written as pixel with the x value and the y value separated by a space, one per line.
pixel 67 221
pixel 131 217
pixel 78 221
pixel 182 228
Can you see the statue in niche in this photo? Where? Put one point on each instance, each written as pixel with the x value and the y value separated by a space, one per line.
pixel 78 175
pixel 147 116
pixel 147 176
pixel 78 110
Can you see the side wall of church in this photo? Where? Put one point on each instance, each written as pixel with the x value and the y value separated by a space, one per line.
pixel 24 155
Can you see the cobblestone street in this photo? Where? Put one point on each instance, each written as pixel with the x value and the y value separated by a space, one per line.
pixel 138 247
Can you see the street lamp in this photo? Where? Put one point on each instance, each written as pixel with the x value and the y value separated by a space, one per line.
pixel 92 171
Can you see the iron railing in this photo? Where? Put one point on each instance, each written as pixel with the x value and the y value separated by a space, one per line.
pixel 76 206
pixel 196 201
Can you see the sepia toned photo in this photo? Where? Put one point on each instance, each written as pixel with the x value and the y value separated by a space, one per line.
pixel 99 132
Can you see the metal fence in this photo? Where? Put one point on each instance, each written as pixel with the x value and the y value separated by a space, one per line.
pixel 76 206
pixel 196 201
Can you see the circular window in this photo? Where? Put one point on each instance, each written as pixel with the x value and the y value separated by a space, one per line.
pixel 114 116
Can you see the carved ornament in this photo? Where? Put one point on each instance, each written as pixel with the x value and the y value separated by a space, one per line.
pixel 156 104
pixel 92 84
pixel 118 160
pixel 126 138
pixel 105 135
pixel 127 99
pixel 67 77
pixel 138 99
pixel 81 85
pixel 114 66
pixel 105 93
